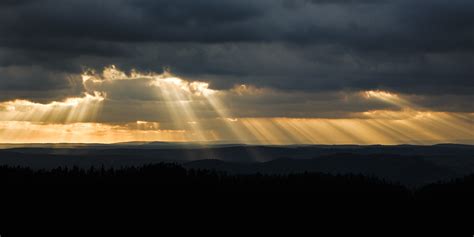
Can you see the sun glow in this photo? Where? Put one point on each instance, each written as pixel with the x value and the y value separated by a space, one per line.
pixel 71 110
pixel 191 111
pixel 30 132
pixel 389 98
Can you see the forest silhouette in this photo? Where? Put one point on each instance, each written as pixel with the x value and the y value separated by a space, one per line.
pixel 168 176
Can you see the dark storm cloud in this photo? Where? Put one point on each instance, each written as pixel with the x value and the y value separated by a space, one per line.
pixel 14 2
pixel 422 47
pixel 122 20
pixel 380 25
pixel 37 84
pixel 345 1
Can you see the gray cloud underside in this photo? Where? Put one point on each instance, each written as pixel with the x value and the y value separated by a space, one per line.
pixel 422 47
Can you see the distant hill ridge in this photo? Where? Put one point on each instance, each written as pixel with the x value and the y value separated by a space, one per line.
pixel 409 164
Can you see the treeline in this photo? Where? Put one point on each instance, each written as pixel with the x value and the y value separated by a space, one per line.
pixel 173 176
pixel 460 189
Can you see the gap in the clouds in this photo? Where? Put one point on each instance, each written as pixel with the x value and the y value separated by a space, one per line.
pixel 123 107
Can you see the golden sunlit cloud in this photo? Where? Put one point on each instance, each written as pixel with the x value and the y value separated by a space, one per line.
pixel 71 110
pixel 389 98
pixel 169 108
pixel 29 132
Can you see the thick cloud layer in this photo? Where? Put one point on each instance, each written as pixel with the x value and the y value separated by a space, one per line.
pixel 311 47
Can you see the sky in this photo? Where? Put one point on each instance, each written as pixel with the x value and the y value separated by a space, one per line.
pixel 246 71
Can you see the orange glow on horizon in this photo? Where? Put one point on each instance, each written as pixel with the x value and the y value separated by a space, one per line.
pixel 200 114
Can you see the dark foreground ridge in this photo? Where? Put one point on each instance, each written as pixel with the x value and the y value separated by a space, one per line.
pixel 175 177
pixel 412 166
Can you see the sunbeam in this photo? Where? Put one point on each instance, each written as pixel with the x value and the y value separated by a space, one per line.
pixel 179 110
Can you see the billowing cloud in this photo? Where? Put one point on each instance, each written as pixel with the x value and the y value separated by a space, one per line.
pixel 233 60
pixel 420 47
pixel 161 106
